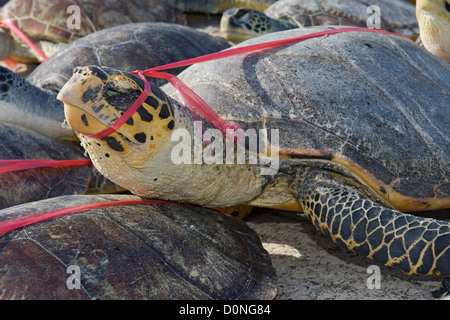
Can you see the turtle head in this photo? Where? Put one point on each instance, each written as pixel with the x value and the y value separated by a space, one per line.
pixel 239 24
pixel 95 97
pixel 4 44
pixel 138 156
pixel 433 4
pixel 433 17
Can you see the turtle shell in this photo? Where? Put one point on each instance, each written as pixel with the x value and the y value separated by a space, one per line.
pixel 375 105
pixel 34 184
pixel 137 46
pixel 48 20
pixel 151 251
pixel 396 16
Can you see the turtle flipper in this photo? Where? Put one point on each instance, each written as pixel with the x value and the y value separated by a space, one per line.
pixel 28 106
pixel 415 245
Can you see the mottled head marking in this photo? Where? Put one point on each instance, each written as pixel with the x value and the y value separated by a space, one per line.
pixel 95 97
pixel 240 24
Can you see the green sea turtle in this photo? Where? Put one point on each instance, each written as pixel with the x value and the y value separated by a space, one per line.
pixel 434 22
pixel 134 251
pixel 357 145
pixel 32 103
pixel 52 23
pixel 240 24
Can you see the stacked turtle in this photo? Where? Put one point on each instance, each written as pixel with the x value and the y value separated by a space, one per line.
pixel 348 161
pixel 354 163
pixel 34 131
pixel 430 17
pixel 240 24
pixel 48 24
pixel 134 251
pixel 51 24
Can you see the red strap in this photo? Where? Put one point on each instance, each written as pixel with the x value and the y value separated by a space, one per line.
pixel 22 36
pixel 196 102
pixel 11 224
pixel 260 46
pixel 10 63
pixel 193 100
pixel 24 164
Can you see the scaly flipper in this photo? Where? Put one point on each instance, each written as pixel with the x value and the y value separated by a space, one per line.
pixel 413 244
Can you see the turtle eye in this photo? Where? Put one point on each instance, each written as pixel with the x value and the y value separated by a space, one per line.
pixel 120 98
pixel 243 15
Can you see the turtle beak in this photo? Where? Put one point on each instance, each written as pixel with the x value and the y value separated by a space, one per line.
pixel 76 105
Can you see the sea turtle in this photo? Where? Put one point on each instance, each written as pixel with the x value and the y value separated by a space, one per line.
pixel 52 23
pixel 134 251
pixel 33 103
pixel 362 123
pixel 216 6
pixel 434 23
pixel 238 24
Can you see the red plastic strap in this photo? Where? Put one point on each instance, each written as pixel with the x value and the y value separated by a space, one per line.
pixel 23 37
pixel 260 46
pixel 24 164
pixel 15 223
pixel 196 102
pixel 10 63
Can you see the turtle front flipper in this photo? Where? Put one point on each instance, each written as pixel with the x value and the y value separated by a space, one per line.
pixel 30 107
pixel 415 245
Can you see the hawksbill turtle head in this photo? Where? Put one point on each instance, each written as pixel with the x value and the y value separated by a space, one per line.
pixel 139 155
pixel 94 98
pixel 239 24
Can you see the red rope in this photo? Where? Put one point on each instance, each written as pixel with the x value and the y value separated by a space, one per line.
pixel 24 164
pixel 15 223
pixel 23 37
pixel 196 102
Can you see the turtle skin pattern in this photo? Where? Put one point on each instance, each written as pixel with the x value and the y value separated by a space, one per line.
pixel 413 244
